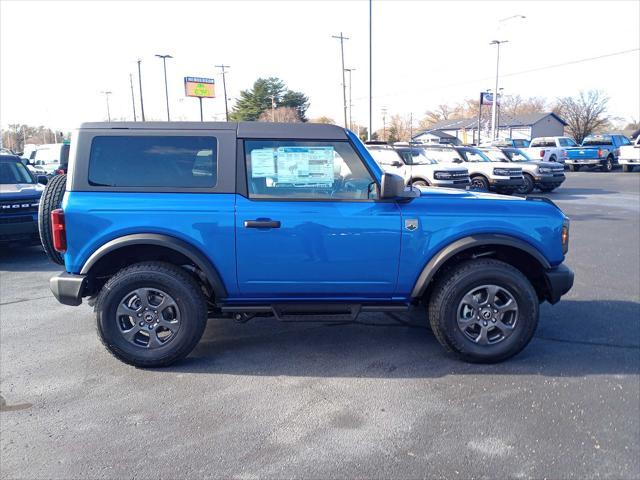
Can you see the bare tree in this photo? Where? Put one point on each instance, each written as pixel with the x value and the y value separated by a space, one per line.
pixel 398 129
pixel 323 119
pixel 280 114
pixel 516 105
pixel 441 112
pixel 585 114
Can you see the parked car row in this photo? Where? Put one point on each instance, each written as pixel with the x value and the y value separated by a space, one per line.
pixel 504 170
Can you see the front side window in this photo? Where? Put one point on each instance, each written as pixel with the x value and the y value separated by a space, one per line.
pixel 517 156
pixel 472 155
pixel 153 161
pixel 566 142
pixel 496 155
pixel 416 157
pixel 12 173
pixel 282 169
pixel 385 157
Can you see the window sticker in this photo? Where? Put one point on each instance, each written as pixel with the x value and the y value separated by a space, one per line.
pixel 263 163
pixel 305 166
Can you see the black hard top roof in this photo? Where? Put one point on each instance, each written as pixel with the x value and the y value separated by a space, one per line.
pixel 306 131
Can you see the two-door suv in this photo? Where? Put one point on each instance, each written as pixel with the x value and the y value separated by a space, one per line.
pixel 163 225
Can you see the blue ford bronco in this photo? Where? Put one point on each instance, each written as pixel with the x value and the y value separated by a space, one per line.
pixel 163 225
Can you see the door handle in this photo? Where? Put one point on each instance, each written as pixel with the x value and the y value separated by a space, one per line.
pixel 261 223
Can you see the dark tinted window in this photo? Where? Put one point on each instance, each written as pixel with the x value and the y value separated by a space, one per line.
pixel 154 161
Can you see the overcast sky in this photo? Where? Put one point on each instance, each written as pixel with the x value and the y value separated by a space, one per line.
pixel 56 57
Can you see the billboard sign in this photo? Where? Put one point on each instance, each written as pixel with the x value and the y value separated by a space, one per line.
pixel 199 87
pixel 486 98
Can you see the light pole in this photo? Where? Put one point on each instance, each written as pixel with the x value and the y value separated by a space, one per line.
pixel 384 124
pixel 166 88
pixel 350 104
pixel 106 96
pixel 140 84
pixel 224 88
pixel 497 43
pixel 369 133
pixel 344 87
pixel 133 98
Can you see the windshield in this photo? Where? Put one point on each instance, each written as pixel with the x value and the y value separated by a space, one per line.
pixel 597 141
pixel 415 157
pixel 14 172
pixel 496 155
pixel 385 157
pixel 517 155
pixel 473 155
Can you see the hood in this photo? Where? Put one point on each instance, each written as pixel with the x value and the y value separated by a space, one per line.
pixel 449 167
pixel 509 165
pixel 20 190
pixel 456 193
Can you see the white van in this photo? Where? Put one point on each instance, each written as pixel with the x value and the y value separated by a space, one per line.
pixel 50 156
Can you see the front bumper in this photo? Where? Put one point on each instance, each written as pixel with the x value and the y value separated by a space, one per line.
pixel 548 180
pixel 558 281
pixel 460 183
pixel 509 182
pixel 18 227
pixel 629 161
pixel 68 288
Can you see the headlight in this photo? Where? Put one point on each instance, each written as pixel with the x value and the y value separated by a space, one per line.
pixel 565 237
pixel 503 172
pixel 544 170
pixel 442 176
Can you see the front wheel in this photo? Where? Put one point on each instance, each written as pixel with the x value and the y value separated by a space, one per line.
pixel 484 310
pixel 151 314
pixel 419 183
pixel 479 183
pixel 527 186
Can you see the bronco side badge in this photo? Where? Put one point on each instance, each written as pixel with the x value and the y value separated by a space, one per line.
pixel 411 224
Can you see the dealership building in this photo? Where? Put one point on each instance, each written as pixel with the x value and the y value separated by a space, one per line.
pixel 465 131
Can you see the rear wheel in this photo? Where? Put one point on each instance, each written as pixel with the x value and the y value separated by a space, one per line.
pixel 151 314
pixel 50 200
pixel 608 165
pixel 485 311
pixel 479 183
pixel 527 186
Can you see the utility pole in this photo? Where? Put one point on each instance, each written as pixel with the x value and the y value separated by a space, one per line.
pixel 344 87
pixel 497 43
pixel 166 88
pixel 369 133
pixel 106 96
pixel 224 88
pixel 133 98
pixel 384 124
pixel 140 84
pixel 498 97
pixel 350 103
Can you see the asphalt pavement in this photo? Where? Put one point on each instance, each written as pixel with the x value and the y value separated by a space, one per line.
pixel 374 399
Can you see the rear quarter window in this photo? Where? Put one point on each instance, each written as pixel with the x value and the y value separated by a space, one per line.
pixel 154 161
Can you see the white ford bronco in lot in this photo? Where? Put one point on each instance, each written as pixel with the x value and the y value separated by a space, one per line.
pixel 417 169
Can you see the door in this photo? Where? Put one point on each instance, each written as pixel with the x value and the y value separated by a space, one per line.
pixel 310 224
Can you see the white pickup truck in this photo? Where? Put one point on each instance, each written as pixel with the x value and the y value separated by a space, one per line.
pixel 550 149
pixel 629 156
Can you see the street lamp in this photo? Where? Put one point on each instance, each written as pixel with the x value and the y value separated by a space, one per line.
pixel 497 43
pixel 106 96
pixel 166 88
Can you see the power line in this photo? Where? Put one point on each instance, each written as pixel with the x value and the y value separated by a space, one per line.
pixel 512 74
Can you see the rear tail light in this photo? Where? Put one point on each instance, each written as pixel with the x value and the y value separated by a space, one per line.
pixel 59 171
pixel 58 230
pixel 541 153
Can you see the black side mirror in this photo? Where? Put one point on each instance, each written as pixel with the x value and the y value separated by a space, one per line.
pixel 42 179
pixel 457 160
pixel 396 163
pixel 391 186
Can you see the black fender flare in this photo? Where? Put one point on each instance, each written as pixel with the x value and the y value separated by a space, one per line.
pixel 167 241
pixel 439 259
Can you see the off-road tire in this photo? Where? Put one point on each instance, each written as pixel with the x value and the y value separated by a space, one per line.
pixel 50 200
pixel 608 166
pixel 455 283
pixel 166 277
pixel 419 183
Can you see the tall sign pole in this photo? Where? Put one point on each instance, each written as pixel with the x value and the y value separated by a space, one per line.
pixel 344 85
pixel 224 89
pixel 200 88
pixel 495 92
